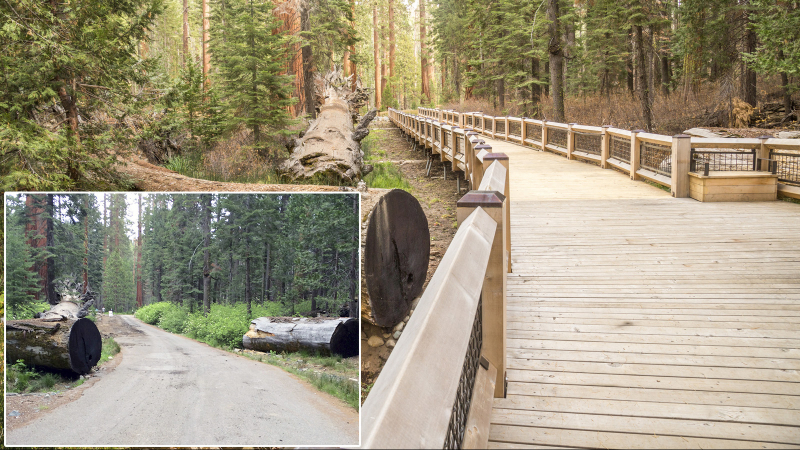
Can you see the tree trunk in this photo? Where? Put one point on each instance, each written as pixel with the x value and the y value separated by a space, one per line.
pixel 423 52
pixel 353 306
pixel 391 39
pixel 85 213
pixel 206 199
pixel 185 31
pixel 206 37
pixel 665 76
pixel 139 287
pixel 50 262
pixel 265 282
pixel 377 55
pixel 63 345
pixel 324 335
pixel 556 52
pixel 331 146
pixel 396 256
pixel 643 86
pixel 308 67
pixel 749 75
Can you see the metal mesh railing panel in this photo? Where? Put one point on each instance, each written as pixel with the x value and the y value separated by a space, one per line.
pixel 501 127
pixel 445 139
pixel 655 157
pixel 588 142
pixel 788 165
pixel 469 121
pixel 557 137
pixel 722 160
pixel 533 131
pixel 620 148
pixel 458 418
pixel 436 134
pixel 488 124
pixel 515 128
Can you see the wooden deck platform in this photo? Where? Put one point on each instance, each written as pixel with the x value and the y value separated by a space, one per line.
pixel 636 320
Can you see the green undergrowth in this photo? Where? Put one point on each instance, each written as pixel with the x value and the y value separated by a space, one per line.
pixel 110 348
pixel 331 374
pixel 385 175
pixel 790 200
pixel 191 165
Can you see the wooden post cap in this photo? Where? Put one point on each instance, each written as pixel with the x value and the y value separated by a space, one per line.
pixel 682 136
pixel 638 131
pixel 766 136
pixel 606 126
pixel 495 156
pixel 482 146
pixel 483 199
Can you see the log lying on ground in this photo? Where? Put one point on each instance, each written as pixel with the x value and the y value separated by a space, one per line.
pixel 331 146
pixel 396 256
pixel 338 336
pixel 61 344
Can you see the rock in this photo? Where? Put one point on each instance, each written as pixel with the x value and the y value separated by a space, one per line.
pixel 702 132
pixel 399 326
pixel 406 319
pixel 788 135
pixel 14 413
pixel 387 335
pixel 363 335
pixel 361 186
pixel 375 341
pixel 391 343
pixel 397 334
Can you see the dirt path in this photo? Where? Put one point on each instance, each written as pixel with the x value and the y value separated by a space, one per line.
pixel 438 199
pixel 171 390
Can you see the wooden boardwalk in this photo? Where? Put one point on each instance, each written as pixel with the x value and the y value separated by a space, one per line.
pixel 636 320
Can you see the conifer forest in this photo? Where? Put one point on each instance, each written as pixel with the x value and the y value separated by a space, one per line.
pixel 218 89
pixel 266 255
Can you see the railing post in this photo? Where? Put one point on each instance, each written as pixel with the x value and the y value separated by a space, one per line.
pixel 681 160
pixel 763 153
pixel 636 149
pixel 570 140
pixel 506 136
pixel 494 126
pixel 469 156
pixel 502 158
pixel 605 147
pixel 479 152
pixel 493 293
pixel 523 130
pixel 544 134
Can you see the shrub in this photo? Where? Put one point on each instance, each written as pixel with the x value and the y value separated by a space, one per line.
pixel 152 313
pixel 174 319
pixel 224 326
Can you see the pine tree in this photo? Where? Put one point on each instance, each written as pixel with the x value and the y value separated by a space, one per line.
pixel 250 57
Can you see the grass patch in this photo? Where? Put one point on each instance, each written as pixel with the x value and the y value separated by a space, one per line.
pixel 331 374
pixel 110 348
pixel 23 379
pixel 790 200
pixel 386 175
pixel 660 186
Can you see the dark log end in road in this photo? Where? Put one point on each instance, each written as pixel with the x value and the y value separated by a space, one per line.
pixel 85 346
pixel 345 340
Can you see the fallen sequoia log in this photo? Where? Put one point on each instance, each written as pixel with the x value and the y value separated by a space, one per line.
pixel 396 255
pixel 62 344
pixel 338 336
pixel 331 147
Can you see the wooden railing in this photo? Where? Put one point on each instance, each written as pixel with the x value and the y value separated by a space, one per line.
pixel 664 160
pixel 436 388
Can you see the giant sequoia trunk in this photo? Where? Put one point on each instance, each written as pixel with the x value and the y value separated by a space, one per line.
pixel 62 344
pixel 331 145
pixel 337 336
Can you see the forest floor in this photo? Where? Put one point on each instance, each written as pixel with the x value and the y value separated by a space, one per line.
pixel 150 177
pixel 437 197
pixel 33 405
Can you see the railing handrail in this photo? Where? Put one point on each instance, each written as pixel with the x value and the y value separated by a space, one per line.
pixel 411 403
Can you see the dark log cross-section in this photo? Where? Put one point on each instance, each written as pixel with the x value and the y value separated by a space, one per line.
pixel 396 255
pixel 337 336
pixel 61 344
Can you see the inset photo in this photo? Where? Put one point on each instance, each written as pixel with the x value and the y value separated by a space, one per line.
pixel 182 320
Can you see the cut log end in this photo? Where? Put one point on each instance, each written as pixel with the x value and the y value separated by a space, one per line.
pixel 345 339
pixel 60 345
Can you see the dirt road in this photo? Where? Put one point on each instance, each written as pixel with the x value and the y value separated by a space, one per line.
pixel 171 390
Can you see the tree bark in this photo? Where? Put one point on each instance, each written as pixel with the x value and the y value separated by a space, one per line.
pixel 331 146
pixel 185 31
pixel 63 345
pixel 353 306
pixel 377 55
pixel 423 52
pixel 206 200
pixel 641 72
pixel 556 51
pixel 139 287
pixel 324 335
pixel 206 37
pixel 749 75
pixel 308 67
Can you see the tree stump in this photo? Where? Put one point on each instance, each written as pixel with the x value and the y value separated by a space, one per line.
pixel 290 334
pixel 61 344
pixel 396 256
